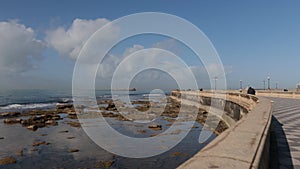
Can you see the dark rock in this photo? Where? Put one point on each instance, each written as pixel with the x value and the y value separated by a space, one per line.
pixel 104 164
pixel 51 122
pixel 141 131
pixel 56 117
pixel 10 114
pixel 7 160
pixel 70 137
pixel 74 124
pixel 64 106
pixel 64 131
pixel 111 107
pixel 32 127
pixel 20 152
pixel 1 138
pixel 155 127
pixel 73 150
pixel 11 121
pixel 38 143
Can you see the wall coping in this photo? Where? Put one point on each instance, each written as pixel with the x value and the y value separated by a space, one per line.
pixel 242 145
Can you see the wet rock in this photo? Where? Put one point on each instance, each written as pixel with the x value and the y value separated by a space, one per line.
pixel 111 107
pixel 64 106
pixel 141 102
pixel 8 160
pixel 141 131
pixel 32 127
pixel 56 117
pixel 175 154
pixel 35 149
pixel 73 150
pixel 11 121
pixel 1 138
pixel 38 143
pixel 104 164
pixel 51 122
pixel 155 127
pixel 64 131
pixel 70 137
pixel 143 108
pixel 20 152
pixel 72 115
pixel 41 120
pixel 10 114
pixel 74 124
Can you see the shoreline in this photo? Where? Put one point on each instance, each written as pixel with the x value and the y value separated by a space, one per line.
pixel 74 145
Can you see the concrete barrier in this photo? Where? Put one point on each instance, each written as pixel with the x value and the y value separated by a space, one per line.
pixel 279 94
pixel 245 144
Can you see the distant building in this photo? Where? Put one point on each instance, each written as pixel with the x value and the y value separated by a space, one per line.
pixel 298 87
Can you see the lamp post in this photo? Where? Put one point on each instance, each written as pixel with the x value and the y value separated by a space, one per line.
pixel 216 78
pixel 241 84
pixel 276 85
pixel 269 82
pixel 264 84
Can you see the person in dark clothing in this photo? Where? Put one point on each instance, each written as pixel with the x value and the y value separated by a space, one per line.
pixel 251 91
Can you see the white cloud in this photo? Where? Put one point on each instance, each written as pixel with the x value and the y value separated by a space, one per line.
pixel 68 42
pixel 19 48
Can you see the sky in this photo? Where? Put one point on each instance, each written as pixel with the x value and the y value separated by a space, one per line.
pixel 40 40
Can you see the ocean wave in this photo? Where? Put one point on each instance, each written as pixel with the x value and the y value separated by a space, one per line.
pixel 27 106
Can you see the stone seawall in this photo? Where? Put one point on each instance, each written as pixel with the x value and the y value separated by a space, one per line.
pixel 246 143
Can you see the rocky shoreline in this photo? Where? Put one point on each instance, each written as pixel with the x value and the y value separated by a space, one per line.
pixel 64 114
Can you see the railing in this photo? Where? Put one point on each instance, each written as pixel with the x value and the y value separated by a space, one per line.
pixel 245 144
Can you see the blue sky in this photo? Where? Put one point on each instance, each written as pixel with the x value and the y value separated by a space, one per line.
pixel 254 39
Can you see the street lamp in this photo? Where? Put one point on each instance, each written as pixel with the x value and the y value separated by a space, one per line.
pixel 269 82
pixel 276 85
pixel 241 84
pixel 264 84
pixel 216 78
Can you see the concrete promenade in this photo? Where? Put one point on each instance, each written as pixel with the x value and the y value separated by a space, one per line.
pixel 286 139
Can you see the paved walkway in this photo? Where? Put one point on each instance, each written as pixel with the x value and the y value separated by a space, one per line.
pixel 287 132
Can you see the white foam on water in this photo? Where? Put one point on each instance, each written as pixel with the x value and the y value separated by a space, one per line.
pixel 27 106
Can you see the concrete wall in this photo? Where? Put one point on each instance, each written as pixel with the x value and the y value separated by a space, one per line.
pixel 279 94
pixel 246 143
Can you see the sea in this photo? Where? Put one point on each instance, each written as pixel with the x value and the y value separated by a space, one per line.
pixel 62 137
pixel 27 99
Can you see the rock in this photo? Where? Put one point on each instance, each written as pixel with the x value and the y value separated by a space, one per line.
pixel 64 131
pixel 38 143
pixel 8 160
pixel 10 114
pixel 64 106
pixel 104 164
pixel 141 131
pixel 73 150
pixel 1 138
pixel 74 124
pixel 155 127
pixel 175 154
pixel 20 152
pixel 51 122
pixel 70 137
pixel 11 121
pixel 111 107
pixel 56 117
pixel 72 116
pixel 32 127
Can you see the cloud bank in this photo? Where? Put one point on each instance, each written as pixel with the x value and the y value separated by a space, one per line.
pixel 19 48
pixel 68 42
